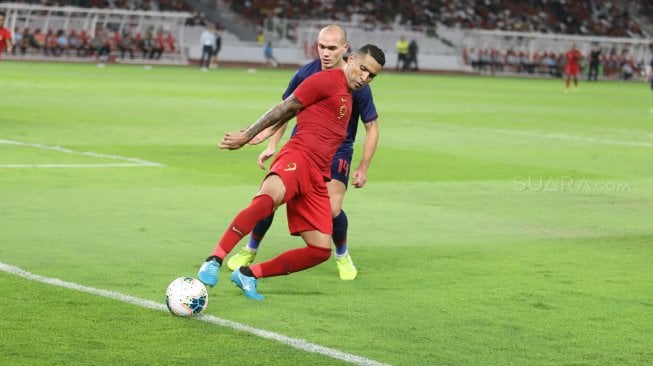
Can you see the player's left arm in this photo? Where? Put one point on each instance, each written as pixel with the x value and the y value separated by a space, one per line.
pixel 359 177
pixel 278 115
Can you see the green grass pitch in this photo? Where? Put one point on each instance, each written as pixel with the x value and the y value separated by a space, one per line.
pixel 504 223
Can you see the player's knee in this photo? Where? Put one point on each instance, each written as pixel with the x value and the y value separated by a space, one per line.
pixel 336 204
pixel 266 202
pixel 274 187
pixel 318 254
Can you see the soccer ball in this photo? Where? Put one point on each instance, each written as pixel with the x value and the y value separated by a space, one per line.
pixel 186 296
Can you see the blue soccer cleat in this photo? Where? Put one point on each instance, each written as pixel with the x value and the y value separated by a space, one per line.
pixel 247 284
pixel 208 273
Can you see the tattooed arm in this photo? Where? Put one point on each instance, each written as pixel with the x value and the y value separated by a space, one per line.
pixel 275 117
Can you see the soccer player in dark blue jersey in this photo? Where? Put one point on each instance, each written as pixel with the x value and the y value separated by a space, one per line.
pixel 332 45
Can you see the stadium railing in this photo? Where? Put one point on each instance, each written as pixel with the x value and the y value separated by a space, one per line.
pixel 90 20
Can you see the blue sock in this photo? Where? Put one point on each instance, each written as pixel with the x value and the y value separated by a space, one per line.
pixel 340 224
pixel 259 232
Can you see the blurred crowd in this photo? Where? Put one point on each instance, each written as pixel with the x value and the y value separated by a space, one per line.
pixel 611 63
pixel 584 17
pixel 145 5
pixel 152 44
pixel 154 5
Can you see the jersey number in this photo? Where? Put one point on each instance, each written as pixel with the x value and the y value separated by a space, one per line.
pixel 343 165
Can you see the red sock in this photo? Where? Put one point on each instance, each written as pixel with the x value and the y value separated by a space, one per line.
pixel 290 261
pixel 261 207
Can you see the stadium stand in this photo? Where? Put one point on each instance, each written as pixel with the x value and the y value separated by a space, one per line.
pixel 488 36
pixel 582 17
pixel 145 5
pixel 100 34
pixel 614 63
pixel 482 36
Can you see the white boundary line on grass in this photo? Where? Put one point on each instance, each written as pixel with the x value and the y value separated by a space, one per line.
pixel 293 342
pixel 562 136
pixel 130 162
pixel 549 135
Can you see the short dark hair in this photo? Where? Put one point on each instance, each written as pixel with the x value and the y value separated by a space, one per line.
pixel 2 13
pixel 374 51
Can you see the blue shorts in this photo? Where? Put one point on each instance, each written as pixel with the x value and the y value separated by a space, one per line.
pixel 340 166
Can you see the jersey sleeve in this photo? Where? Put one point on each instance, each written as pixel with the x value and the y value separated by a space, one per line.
pixel 365 105
pixel 313 89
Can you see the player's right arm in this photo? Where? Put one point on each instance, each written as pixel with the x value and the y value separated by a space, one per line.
pixel 278 115
pixel 276 132
pixel 268 132
pixel 311 90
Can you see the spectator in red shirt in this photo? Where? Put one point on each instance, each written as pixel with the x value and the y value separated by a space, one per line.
pixel 169 42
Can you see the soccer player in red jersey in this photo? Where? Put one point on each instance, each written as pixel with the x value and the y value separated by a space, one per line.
pixel 572 68
pixel 331 45
pixel 298 175
pixel 5 36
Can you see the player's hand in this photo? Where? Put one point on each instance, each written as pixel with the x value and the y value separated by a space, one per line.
pixel 263 156
pixel 359 178
pixel 233 140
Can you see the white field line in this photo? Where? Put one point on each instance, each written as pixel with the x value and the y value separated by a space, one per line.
pixel 561 136
pixel 553 136
pixel 130 162
pixel 293 342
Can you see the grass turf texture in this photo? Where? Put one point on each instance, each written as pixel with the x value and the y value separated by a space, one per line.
pixel 504 222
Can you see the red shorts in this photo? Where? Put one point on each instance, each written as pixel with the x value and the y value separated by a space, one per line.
pixel 572 70
pixel 307 198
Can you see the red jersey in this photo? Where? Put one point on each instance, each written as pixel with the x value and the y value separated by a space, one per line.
pixel 573 57
pixel 322 122
pixel 5 35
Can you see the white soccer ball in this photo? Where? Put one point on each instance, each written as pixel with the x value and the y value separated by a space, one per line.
pixel 186 296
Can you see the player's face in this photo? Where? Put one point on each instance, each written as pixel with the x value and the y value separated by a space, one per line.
pixel 361 70
pixel 2 21
pixel 331 47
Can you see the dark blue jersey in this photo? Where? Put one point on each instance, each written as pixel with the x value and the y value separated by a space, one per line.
pixel 362 107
